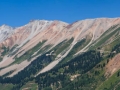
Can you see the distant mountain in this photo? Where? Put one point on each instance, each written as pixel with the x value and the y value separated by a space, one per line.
pixel 63 52
pixel 5 32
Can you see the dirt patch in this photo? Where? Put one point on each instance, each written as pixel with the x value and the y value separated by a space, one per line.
pixel 113 65
pixel 74 76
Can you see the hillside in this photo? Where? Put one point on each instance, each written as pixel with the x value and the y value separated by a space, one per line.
pixel 54 55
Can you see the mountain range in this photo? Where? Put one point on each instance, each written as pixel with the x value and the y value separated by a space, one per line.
pixel 55 55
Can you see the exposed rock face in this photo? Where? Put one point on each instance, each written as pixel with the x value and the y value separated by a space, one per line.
pixel 113 65
pixel 43 29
